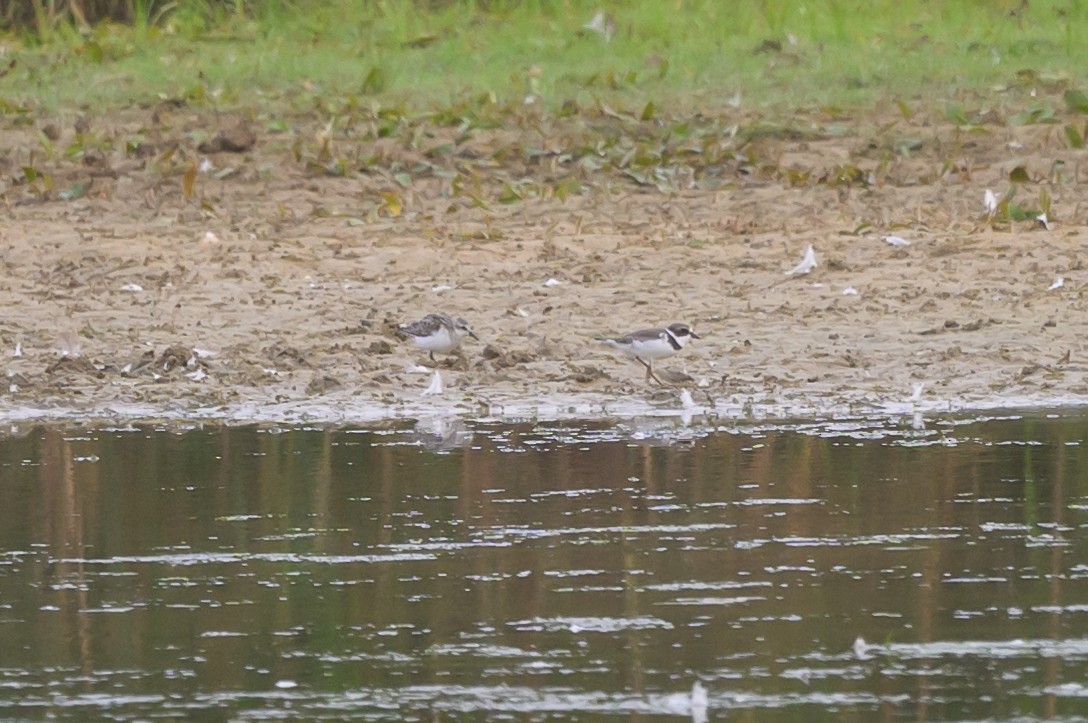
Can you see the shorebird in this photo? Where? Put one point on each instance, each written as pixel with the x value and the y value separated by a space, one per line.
pixel 440 333
pixel 646 345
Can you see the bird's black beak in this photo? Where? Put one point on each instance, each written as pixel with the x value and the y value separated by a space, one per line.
pixel 470 333
pixel 695 336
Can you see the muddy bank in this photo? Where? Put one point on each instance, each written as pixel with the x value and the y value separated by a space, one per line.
pixel 272 292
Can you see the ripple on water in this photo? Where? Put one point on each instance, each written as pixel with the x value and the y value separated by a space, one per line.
pixel 590 624
pixel 234 558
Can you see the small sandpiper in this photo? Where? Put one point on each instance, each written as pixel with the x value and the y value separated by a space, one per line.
pixel 438 333
pixel 646 345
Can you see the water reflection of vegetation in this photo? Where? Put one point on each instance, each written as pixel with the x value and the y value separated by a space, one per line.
pixel 337 556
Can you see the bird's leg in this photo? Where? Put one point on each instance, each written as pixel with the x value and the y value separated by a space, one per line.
pixel 432 358
pixel 649 371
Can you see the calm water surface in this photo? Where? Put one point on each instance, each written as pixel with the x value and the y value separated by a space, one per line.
pixel 547 571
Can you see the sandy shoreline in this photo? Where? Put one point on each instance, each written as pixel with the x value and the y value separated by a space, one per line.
pixel 292 312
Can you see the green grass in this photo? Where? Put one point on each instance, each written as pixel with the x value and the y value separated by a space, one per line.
pixel 680 54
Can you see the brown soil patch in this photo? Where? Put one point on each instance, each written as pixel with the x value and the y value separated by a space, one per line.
pixel 276 283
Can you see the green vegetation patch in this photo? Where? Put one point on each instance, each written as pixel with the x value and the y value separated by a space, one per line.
pixel 644 57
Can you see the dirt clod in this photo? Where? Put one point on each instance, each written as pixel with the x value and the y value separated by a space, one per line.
pixel 237 137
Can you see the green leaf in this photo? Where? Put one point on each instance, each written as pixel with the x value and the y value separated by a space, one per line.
pixel 1023 118
pixel 1037 114
pixel 509 194
pixel 1076 100
pixel 648 112
pixel 1073 137
pixel 1016 212
pixel 954 113
pixel 565 187
pixel 1019 175
pixel 392 203
pixel 73 192
pixel 94 52
pixel 798 177
pixel 375 81
pixel 568 109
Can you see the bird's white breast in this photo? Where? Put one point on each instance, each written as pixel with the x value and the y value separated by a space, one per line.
pixel 651 348
pixel 440 341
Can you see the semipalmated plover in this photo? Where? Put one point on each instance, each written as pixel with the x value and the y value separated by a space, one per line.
pixel 438 333
pixel 646 345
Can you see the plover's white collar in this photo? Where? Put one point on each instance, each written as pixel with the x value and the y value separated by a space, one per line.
pixel 645 345
pixel 440 333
